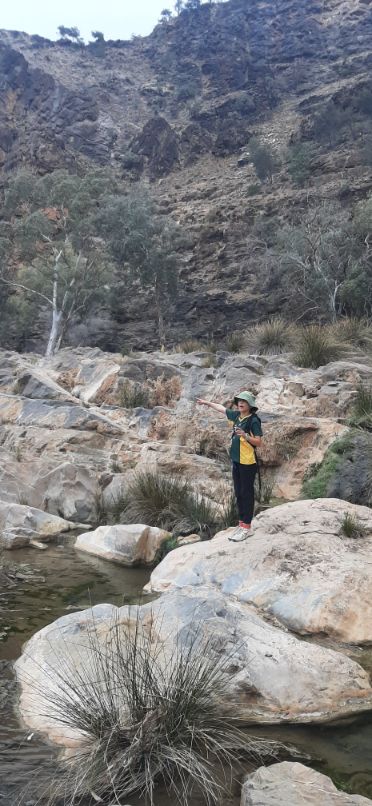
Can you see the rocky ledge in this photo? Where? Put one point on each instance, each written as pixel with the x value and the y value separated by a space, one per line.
pixel 298 567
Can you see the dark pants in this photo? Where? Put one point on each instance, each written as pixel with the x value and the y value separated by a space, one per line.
pixel 243 478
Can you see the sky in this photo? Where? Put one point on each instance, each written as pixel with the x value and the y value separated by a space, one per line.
pixel 117 19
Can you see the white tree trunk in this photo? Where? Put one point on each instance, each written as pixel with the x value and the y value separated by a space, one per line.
pixel 56 314
pixel 54 340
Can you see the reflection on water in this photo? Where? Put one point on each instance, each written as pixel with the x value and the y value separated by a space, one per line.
pixel 73 581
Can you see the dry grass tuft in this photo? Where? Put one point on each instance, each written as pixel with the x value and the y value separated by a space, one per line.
pixel 165 391
pixel 316 347
pixel 150 713
pixel 352 330
pixel 274 336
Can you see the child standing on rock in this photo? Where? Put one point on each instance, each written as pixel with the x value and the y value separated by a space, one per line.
pixel 246 437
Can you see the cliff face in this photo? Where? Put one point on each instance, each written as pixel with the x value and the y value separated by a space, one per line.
pixel 178 109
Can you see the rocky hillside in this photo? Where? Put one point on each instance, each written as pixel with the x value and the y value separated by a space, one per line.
pixel 177 110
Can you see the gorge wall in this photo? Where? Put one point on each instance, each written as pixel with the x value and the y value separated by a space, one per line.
pixel 176 110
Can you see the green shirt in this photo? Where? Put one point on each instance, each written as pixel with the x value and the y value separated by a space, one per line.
pixel 241 451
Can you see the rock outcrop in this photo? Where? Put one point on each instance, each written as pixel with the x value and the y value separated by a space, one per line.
pixel 297 567
pixel 70 440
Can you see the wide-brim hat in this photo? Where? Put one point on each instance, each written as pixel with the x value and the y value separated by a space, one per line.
pixel 248 397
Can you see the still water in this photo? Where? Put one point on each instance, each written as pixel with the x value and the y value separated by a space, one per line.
pixel 59 580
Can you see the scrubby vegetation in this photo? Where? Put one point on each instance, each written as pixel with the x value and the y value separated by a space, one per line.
pixel 351 526
pixel 316 482
pixel 171 503
pixel 151 714
pixel 235 341
pixel 190 346
pixel 362 407
pixel 80 242
pixel 273 336
pixel 159 392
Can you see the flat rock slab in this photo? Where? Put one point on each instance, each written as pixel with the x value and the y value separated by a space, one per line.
pixel 273 676
pixel 297 566
pixel 125 544
pixel 20 524
pixel 293 784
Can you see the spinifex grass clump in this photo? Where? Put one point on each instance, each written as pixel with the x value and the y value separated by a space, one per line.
pixel 316 347
pixel 150 713
pixel 190 346
pixel 273 336
pixel 354 331
pixel 235 341
pixel 169 503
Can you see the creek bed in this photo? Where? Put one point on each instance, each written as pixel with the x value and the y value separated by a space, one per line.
pixel 59 580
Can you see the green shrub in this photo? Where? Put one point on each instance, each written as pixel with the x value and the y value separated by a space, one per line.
pixel 167 545
pixel 265 161
pixel 273 336
pixel 150 713
pixel 299 163
pixel 351 526
pixel 316 347
pixel 316 481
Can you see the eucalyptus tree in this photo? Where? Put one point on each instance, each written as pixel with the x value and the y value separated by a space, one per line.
pixel 52 260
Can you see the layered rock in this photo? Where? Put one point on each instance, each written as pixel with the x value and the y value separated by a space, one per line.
pixel 298 567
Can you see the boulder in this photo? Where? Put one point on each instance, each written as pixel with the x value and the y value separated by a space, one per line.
pixel 39 478
pixel 297 566
pixel 273 677
pixel 293 784
pixel 20 524
pixel 125 544
pixel 352 478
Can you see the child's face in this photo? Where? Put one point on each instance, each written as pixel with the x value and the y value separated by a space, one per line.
pixel 243 407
